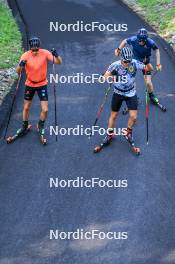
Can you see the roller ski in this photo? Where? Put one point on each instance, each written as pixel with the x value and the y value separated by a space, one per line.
pixel 106 142
pixel 154 100
pixel 130 140
pixel 20 133
pixel 41 132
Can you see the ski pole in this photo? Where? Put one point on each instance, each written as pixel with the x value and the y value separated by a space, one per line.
pixel 147 114
pixel 154 73
pixel 147 111
pixel 55 100
pixel 101 107
pixel 13 101
pixel 125 109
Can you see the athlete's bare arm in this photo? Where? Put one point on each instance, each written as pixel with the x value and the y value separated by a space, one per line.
pixel 18 69
pixel 121 46
pixel 107 75
pixel 157 56
pixel 58 60
pixel 20 66
pixel 149 67
pixel 57 57
pixel 158 64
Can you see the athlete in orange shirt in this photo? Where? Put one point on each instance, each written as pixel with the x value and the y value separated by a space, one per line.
pixel 35 63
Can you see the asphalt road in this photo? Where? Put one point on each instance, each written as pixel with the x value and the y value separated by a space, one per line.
pixel 29 209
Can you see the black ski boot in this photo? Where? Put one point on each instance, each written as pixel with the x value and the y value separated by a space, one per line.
pixel 106 141
pixel 20 132
pixel 153 98
pixel 156 102
pixel 129 138
pixel 41 131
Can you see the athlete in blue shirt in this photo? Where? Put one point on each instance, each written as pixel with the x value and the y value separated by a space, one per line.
pixel 142 46
pixel 124 69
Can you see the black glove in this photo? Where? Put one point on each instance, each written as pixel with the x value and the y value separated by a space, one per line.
pixel 114 73
pixel 22 63
pixel 54 52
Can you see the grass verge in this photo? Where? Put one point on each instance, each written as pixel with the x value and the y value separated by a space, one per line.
pixel 10 39
pixel 161 14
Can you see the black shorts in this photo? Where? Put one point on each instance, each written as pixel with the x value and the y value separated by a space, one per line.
pixel 117 100
pixel 41 91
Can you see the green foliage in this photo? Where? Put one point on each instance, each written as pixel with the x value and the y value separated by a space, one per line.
pixel 157 12
pixel 152 3
pixel 10 39
pixel 167 21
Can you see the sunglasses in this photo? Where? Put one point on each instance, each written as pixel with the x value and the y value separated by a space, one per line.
pixel 141 40
pixel 126 61
pixel 34 50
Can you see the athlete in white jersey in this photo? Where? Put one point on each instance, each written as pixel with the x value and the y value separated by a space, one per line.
pixel 124 90
pixel 126 74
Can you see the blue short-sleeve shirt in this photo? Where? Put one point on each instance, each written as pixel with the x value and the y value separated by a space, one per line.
pixel 142 52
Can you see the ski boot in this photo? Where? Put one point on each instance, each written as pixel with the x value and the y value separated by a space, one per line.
pixel 41 131
pixel 156 102
pixel 20 132
pixel 153 98
pixel 130 140
pixel 107 140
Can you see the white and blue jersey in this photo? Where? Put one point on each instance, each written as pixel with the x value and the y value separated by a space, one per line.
pixel 141 52
pixel 127 87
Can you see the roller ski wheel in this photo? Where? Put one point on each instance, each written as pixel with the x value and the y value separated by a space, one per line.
pixel 20 133
pixel 41 132
pixel 136 150
pixel 106 142
pixel 43 140
pixel 163 108
pixel 98 148
pixel 130 140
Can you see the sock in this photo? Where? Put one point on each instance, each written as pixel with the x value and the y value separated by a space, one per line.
pixel 25 123
pixel 41 123
pixel 110 131
pixel 129 130
pixel 151 94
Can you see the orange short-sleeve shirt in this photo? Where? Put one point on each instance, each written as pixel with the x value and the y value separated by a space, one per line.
pixel 36 67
